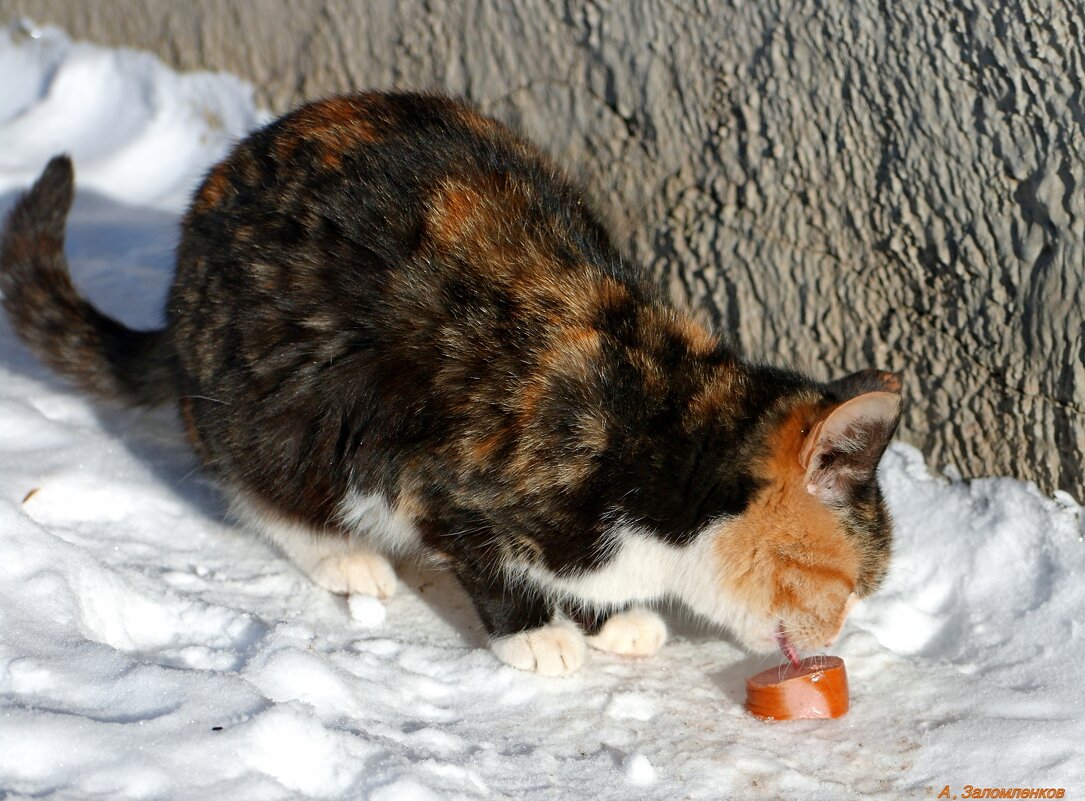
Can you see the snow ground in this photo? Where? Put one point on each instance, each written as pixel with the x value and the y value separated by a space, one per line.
pixel 148 649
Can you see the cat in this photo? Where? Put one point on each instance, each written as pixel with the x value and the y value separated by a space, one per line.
pixel 396 328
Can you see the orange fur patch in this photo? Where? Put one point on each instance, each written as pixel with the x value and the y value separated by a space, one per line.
pixel 717 399
pixel 481 450
pixel 214 189
pixel 484 223
pixel 477 123
pixel 410 506
pixel 334 125
pixel 572 354
pixel 586 297
pixel 699 341
pixel 451 213
pixel 484 220
pixel 788 556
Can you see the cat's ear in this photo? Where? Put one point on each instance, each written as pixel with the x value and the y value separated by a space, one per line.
pixel 843 449
pixel 866 381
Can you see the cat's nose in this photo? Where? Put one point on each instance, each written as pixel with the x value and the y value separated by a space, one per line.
pixel 848 604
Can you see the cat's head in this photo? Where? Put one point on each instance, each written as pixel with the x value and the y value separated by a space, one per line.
pixel 816 536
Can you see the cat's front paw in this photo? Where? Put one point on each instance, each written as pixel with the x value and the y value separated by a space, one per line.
pixel 361 572
pixel 636 632
pixel 556 649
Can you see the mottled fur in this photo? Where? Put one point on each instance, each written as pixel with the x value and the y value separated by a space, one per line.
pixel 392 318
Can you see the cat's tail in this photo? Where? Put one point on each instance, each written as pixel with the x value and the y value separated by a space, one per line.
pixel 96 352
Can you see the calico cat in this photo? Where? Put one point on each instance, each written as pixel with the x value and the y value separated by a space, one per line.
pixel 396 328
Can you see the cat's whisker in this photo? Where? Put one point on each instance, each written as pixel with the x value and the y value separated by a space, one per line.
pixel 203 397
pixel 188 474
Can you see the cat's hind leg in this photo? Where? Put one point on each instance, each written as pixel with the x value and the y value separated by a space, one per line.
pixel 332 558
pixel 354 571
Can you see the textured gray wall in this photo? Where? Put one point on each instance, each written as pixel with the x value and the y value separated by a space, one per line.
pixel 839 184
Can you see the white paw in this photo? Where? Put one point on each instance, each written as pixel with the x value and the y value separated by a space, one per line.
pixel 360 572
pixel 637 632
pixel 553 650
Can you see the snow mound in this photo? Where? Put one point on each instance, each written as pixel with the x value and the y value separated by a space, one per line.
pixel 148 649
pixel 638 769
pixel 138 131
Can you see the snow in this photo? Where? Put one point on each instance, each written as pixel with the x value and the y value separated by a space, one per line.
pixel 149 649
pixel 366 611
pixel 638 769
pixel 139 132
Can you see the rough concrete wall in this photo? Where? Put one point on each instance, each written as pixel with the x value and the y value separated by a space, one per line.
pixel 839 184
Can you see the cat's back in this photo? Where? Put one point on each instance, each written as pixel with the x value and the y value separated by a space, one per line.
pixel 361 212
pixel 387 175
